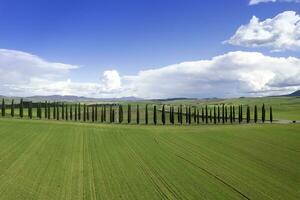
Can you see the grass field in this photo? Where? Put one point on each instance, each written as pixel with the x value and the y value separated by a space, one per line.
pixel 59 160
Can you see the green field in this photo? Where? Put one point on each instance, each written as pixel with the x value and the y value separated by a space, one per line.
pixel 60 160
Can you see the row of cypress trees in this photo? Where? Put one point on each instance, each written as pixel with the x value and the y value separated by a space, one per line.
pixel 213 114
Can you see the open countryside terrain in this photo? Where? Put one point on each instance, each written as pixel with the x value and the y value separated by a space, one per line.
pixel 42 159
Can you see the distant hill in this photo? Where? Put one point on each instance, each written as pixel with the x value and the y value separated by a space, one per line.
pixel 294 94
pixel 70 98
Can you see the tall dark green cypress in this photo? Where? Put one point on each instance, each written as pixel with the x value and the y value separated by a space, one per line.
pixel 186 115
pixel 46 110
pixel 54 110
pixel 263 113
pixel 248 114
pixel 39 110
pixel 241 113
pixel 84 112
pixel 67 113
pixel 271 114
pixel 219 114
pixel 230 114
pixel 154 115
pixel 137 114
pixel 163 115
pixel 255 114
pixel 88 113
pixel 129 114
pixel 30 110
pixel 202 114
pixel 12 108
pixel 63 111
pixel 178 114
pixel 3 108
pixel 223 113
pixel 49 111
pixel 170 115
pixel 113 115
pixel 21 110
pixel 146 114
pixel 190 115
pixel 226 114
pixel 79 111
pixel 215 115
pixel 57 111
pixel 181 113
pixel 198 116
pixel 233 113
pixel 75 114
pixel 96 112
pixel 71 112
pixel 120 114
pixel 104 113
pixel 93 113
pixel 206 115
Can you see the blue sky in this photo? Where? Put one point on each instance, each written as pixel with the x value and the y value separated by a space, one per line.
pixel 129 36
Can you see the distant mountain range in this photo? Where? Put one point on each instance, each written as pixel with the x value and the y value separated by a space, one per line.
pixel 294 94
pixel 90 99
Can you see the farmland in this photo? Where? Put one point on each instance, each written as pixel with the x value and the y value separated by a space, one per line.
pixel 65 160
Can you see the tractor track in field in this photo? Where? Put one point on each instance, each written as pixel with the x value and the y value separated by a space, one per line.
pixel 155 177
pixel 209 173
pixel 215 176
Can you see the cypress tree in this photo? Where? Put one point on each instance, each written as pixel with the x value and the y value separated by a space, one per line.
pixel 255 114
pixel 271 114
pixel 57 114
pixel 218 114
pixel 96 112
pixel 241 113
pixel 54 110
pixel 67 113
pixel 93 113
pixel 84 112
pixel 215 115
pixel 195 115
pixel 181 115
pixel 263 113
pixel 226 114
pixel 190 115
pixel 198 116
pixel 178 114
pixel 113 115
pixel 30 110
pixel 79 111
pixel 233 113
pixel 63 111
pixel 230 114
pixel 146 114
pixel 49 110
pixel 170 115
pixel 3 108
pixel 137 114
pixel 120 114
pixel 40 110
pixel 154 115
pixel 173 115
pixel 12 108
pixel 104 113
pixel 248 114
pixel 163 115
pixel 129 114
pixel 210 115
pixel 223 114
pixel 46 110
pixel 206 115
pixel 202 109
pixel 88 113
pixel 76 114
pixel 186 115
pixel 21 108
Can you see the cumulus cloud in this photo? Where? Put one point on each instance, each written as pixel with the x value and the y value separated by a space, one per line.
pixel 279 33
pixel 230 75
pixel 254 2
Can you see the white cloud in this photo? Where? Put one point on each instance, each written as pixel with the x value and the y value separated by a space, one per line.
pixel 254 2
pixel 279 33
pixel 229 75
pixel 232 74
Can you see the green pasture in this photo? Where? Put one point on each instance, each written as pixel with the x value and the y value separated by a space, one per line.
pixel 60 160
